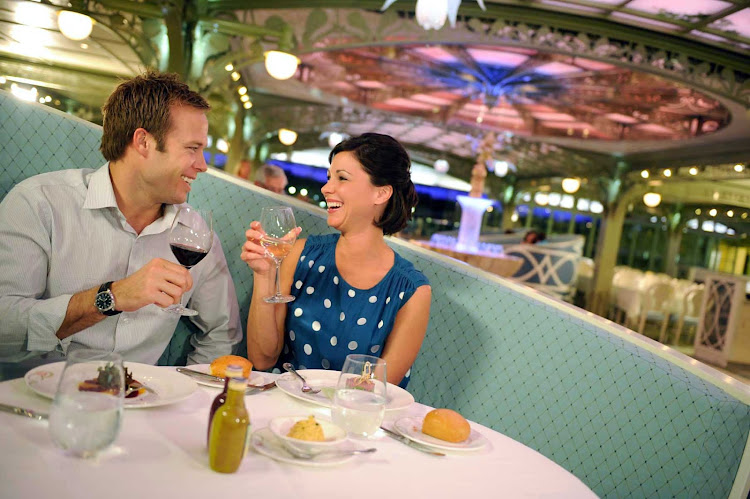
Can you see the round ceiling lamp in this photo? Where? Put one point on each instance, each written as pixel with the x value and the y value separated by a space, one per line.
pixel 501 168
pixel 571 185
pixel 541 198
pixel 287 137
pixel 441 165
pixel 431 14
pixel 652 199
pixel 74 25
pixel 281 65
pixel 335 138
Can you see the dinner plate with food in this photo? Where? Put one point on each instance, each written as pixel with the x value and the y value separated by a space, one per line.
pixel 326 380
pixel 218 368
pixel 442 429
pixel 147 386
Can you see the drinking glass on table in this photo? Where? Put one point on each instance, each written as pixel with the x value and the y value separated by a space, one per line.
pixel 190 238
pixel 87 409
pixel 360 397
pixel 278 224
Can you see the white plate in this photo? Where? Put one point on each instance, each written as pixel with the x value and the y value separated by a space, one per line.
pixel 411 428
pixel 170 386
pixel 326 380
pixel 264 442
pixel 255 377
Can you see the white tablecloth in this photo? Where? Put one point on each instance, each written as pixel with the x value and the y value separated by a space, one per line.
pixel 161 453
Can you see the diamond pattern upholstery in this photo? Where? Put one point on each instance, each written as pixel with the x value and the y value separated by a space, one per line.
pixel 626 421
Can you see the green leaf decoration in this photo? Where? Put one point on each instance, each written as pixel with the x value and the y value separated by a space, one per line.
pixel 275 22
pixel 357 22
pixel 316 20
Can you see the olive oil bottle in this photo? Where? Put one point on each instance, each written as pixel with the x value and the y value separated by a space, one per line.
pixel 230 430
pixel 233 371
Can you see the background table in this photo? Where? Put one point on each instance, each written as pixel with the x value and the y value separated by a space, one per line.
pixel 161 452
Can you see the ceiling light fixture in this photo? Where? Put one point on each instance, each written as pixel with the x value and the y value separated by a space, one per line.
pixel 541 198
pixel 571 185
pixel 738 168
pixel 730 213
pixel 247 105
pixel 235 76
pixel 667 173
pixel 287 137
pixel 281 65
pixel 335 138
pixel 441 166
pixel 431 12
pixel 74 25
pixel 242 90
pixel 652 199
pixel 644 173
pixel 693 171
pixel 501 168
pixel 712 212
pixel 229 67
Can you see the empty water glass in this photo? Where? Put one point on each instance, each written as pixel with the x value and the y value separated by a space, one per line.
pixel 87 410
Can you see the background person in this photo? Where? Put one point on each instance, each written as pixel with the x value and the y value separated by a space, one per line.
pixel 271 177
pixel 354 294
pixel 84 254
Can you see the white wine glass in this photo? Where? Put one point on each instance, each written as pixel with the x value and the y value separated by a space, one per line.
pixel 278 224
pixel 86 412
pixel 360 397
pixel 190 238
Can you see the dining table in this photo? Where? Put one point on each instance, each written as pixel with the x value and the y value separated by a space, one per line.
pixel 161 452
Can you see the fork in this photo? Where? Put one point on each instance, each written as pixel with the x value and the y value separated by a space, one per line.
pixel 305 387
pixel 134 388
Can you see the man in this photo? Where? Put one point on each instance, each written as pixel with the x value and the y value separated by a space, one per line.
pixel 271 177
pixel 84 254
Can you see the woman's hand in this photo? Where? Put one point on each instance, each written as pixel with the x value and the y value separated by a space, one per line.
pixel 254 254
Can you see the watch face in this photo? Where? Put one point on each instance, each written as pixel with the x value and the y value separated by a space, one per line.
pixel 103 301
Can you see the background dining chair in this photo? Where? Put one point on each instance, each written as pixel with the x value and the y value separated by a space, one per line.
pixel 691 309
pixel 655 303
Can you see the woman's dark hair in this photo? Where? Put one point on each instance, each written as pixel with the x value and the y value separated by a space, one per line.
pixel 387 163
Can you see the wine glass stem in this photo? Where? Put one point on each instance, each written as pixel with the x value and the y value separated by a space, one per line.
pixel 278 279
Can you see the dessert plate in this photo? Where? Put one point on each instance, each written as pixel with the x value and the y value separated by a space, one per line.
pixel 264 442
pixel 411 428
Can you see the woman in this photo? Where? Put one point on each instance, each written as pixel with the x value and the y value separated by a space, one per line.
pixel 353 293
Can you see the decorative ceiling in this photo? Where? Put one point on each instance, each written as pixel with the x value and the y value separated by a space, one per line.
pixel 568 87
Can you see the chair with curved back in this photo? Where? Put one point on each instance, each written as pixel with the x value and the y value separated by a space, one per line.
pixel 691 309
pixel 655 304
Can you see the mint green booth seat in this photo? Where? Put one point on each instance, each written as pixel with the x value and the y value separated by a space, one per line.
pixel 629 417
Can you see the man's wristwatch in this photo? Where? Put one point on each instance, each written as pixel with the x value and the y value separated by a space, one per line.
pixel 105 300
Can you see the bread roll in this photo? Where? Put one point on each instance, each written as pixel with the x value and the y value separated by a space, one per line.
pixel 219 365
pixel 447 425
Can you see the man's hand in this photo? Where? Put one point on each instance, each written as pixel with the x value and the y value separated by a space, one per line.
pixel 160 282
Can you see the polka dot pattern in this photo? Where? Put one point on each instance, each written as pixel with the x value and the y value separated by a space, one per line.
pixel 316 326
pixel 352 345
pixel 334 341
pixel 297 312
pixel 327 303
pixel 373 299
pixel 352 293
pixel 374 349
pixel 361 321
pixel 309 290
pixel 308 349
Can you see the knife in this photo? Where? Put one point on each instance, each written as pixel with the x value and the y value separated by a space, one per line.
pixel 410 443
pixel 198 374
pixel 211 377
pixel 39 416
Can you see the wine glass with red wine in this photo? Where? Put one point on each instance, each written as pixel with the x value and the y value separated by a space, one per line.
pixel 190 238
pixel 278 224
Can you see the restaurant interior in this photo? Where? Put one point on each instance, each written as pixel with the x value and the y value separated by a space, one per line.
pixel 618 130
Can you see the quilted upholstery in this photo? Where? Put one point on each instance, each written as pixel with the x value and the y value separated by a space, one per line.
pixel 626 421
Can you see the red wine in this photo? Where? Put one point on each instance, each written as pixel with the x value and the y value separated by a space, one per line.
pixel 187 255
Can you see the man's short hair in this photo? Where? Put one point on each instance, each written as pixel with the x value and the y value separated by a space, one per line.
pixel 144 102
pixel 270 171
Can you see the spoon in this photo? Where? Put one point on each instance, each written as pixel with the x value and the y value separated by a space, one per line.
pixel 331 453
pixel 305 387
